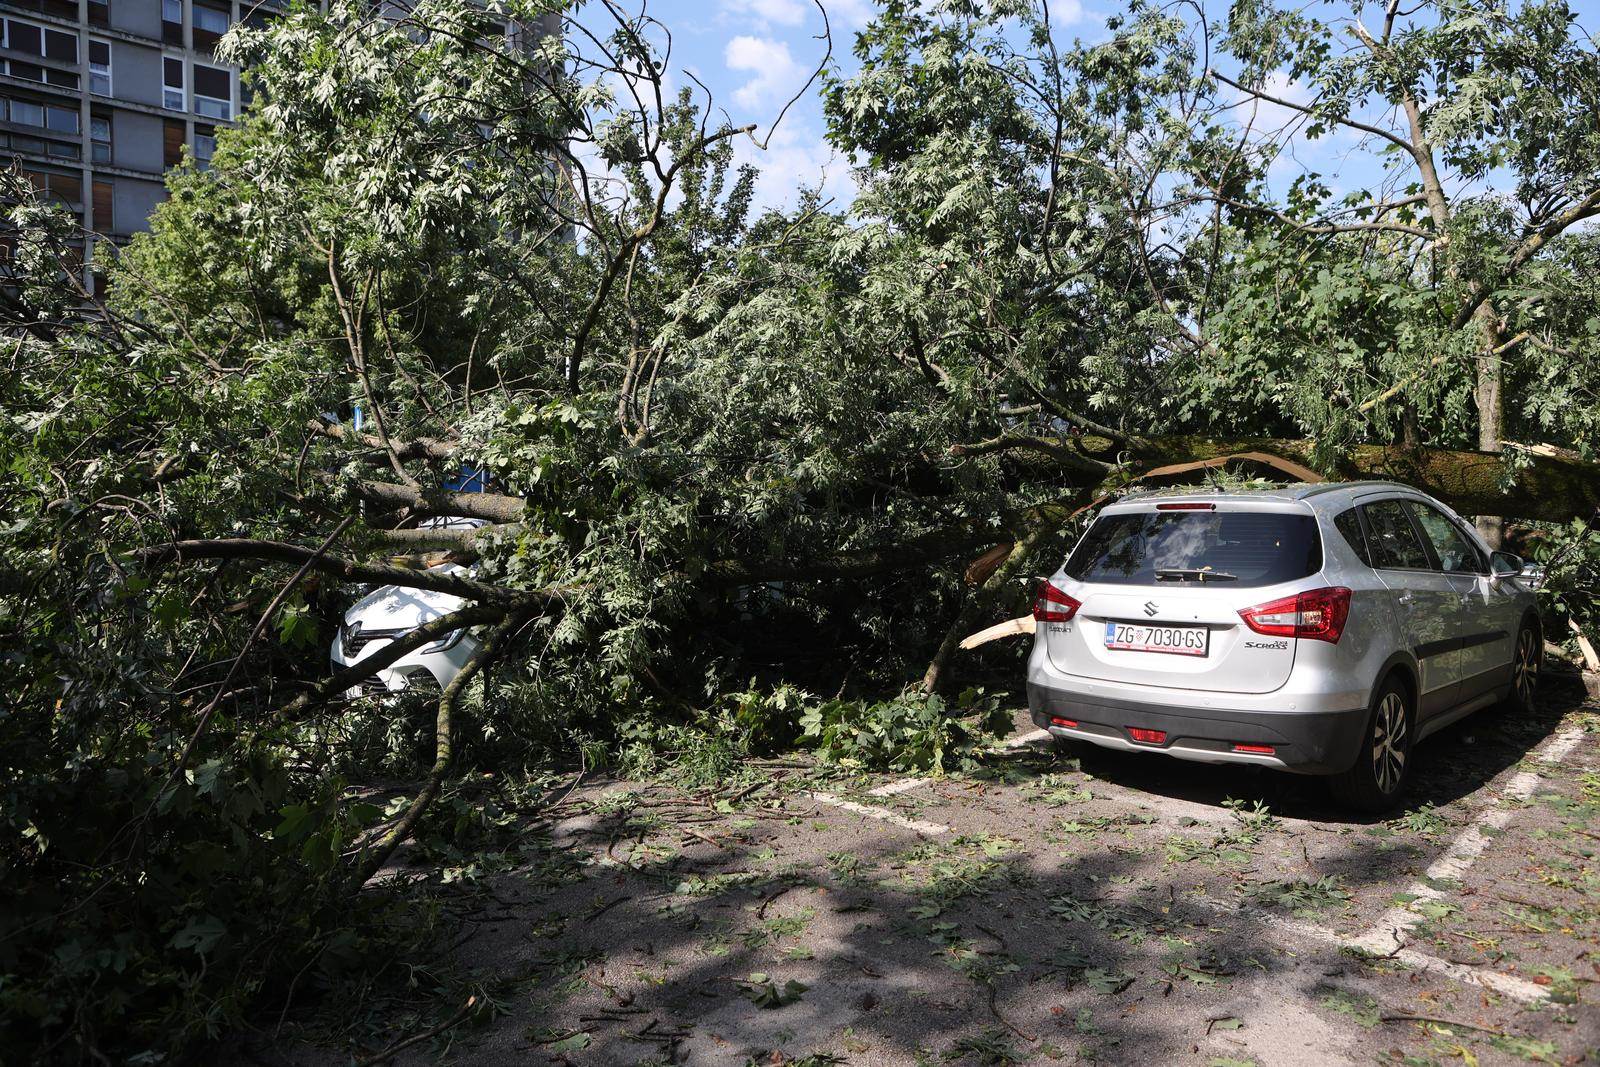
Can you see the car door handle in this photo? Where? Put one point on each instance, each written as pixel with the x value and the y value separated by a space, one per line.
pixel 1406 598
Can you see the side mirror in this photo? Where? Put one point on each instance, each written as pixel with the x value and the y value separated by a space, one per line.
pixel 1505 564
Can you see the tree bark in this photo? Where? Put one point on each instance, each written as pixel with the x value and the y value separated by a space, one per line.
pixel 1546 488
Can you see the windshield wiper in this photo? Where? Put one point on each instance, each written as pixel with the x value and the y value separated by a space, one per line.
pixel 1193 574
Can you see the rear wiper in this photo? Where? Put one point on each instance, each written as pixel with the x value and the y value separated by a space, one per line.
pixel 1193 574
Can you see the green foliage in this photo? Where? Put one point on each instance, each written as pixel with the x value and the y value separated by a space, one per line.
pixel 909 733
pixel 1302 896
pixel 1571 586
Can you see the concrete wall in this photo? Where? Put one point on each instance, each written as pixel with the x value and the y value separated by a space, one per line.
pixel 137 142
pixel 135 73
pixel 133 203
pixel 137 16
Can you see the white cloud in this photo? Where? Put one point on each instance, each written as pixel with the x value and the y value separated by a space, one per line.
pixel 1065 12
pixel 776 74
pixel 796 157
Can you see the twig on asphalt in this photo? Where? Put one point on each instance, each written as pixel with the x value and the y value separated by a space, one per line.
pixel 708 840
pixel 1441 1020
pixel 401 1046
pixel 602 909
pixel 995 1011
pixel 761 912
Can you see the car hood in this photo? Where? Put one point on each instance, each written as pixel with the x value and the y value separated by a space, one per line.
pixel 395 607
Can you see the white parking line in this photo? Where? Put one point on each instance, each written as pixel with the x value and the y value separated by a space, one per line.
pixel 902 786
pixel 881 813
pixel 1022 739
pixel 1394 924
pixel 1504 984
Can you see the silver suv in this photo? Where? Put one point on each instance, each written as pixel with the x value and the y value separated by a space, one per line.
pixel 1323 629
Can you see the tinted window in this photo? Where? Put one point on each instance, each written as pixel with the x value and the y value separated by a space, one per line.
pixel 1255 547
pixel 1392 539
pixel 1349 525
pixel 1450 545
pixel 208 81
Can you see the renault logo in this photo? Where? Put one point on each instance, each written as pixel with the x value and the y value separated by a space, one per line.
pixel 1150 608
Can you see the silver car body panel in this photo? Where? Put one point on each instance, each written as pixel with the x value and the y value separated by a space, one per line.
pixel 1450 635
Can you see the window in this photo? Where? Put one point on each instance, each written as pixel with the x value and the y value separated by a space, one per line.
pixel 1242 548
pixel 104 207
pixel 50 185
pixel 61 119
pixel 26 113
pixel 172 137
pixel 100 138
pixel 99 13
pixel 24 37
pixel 100 68
pixel 1392 539
pixel 1455 553
pixel 213 92
pixel 172 21
pixel 209 25
pixel 1348 524
pixel 45 116
pixel 58 46
pixel 172 94
pixel 205 144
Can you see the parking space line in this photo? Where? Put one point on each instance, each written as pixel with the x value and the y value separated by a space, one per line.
pixel 1022 739
pixel 902 786
pixel 1394 924
pixel 883 814
pixel 1504 984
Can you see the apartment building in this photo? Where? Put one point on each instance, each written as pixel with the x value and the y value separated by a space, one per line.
pixel 99 97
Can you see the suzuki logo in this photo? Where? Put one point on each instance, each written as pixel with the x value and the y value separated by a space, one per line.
pixel 1150 608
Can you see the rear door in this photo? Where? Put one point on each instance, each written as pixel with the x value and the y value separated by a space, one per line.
pixel 1161 587
pixel 1427 604
pixel 1485 637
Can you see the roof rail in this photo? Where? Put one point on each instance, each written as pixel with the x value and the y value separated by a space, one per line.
pixel 1330 487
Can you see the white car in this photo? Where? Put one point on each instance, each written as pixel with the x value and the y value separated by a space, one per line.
pixel 391 611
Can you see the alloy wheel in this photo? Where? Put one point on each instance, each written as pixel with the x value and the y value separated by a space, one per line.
pixel 1525 672
pixel 1389 742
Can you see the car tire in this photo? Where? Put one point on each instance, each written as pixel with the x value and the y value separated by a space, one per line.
pixel 1378 778
pixel 1527 663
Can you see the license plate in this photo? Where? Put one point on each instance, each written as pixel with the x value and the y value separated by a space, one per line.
pixel 1173 640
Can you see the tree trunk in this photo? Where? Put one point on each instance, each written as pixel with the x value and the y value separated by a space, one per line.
pixel 1547 488
pixel 1491 410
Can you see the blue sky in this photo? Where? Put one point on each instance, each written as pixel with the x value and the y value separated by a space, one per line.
pixel 755 54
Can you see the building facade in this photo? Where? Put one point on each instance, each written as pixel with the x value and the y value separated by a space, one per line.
pixel 98 98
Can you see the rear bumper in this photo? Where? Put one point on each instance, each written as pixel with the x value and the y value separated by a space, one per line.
pixel 1307 742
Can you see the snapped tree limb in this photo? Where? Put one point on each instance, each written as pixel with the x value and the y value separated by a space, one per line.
pixel 350 570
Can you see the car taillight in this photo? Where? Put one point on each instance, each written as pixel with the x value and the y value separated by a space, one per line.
pixel 1317 616
pixel 1052 605
pixel 1186 506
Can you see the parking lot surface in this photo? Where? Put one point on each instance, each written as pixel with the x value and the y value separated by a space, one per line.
pixel 1050 907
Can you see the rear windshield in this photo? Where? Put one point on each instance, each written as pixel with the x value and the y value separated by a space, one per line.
pixel 1237 548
